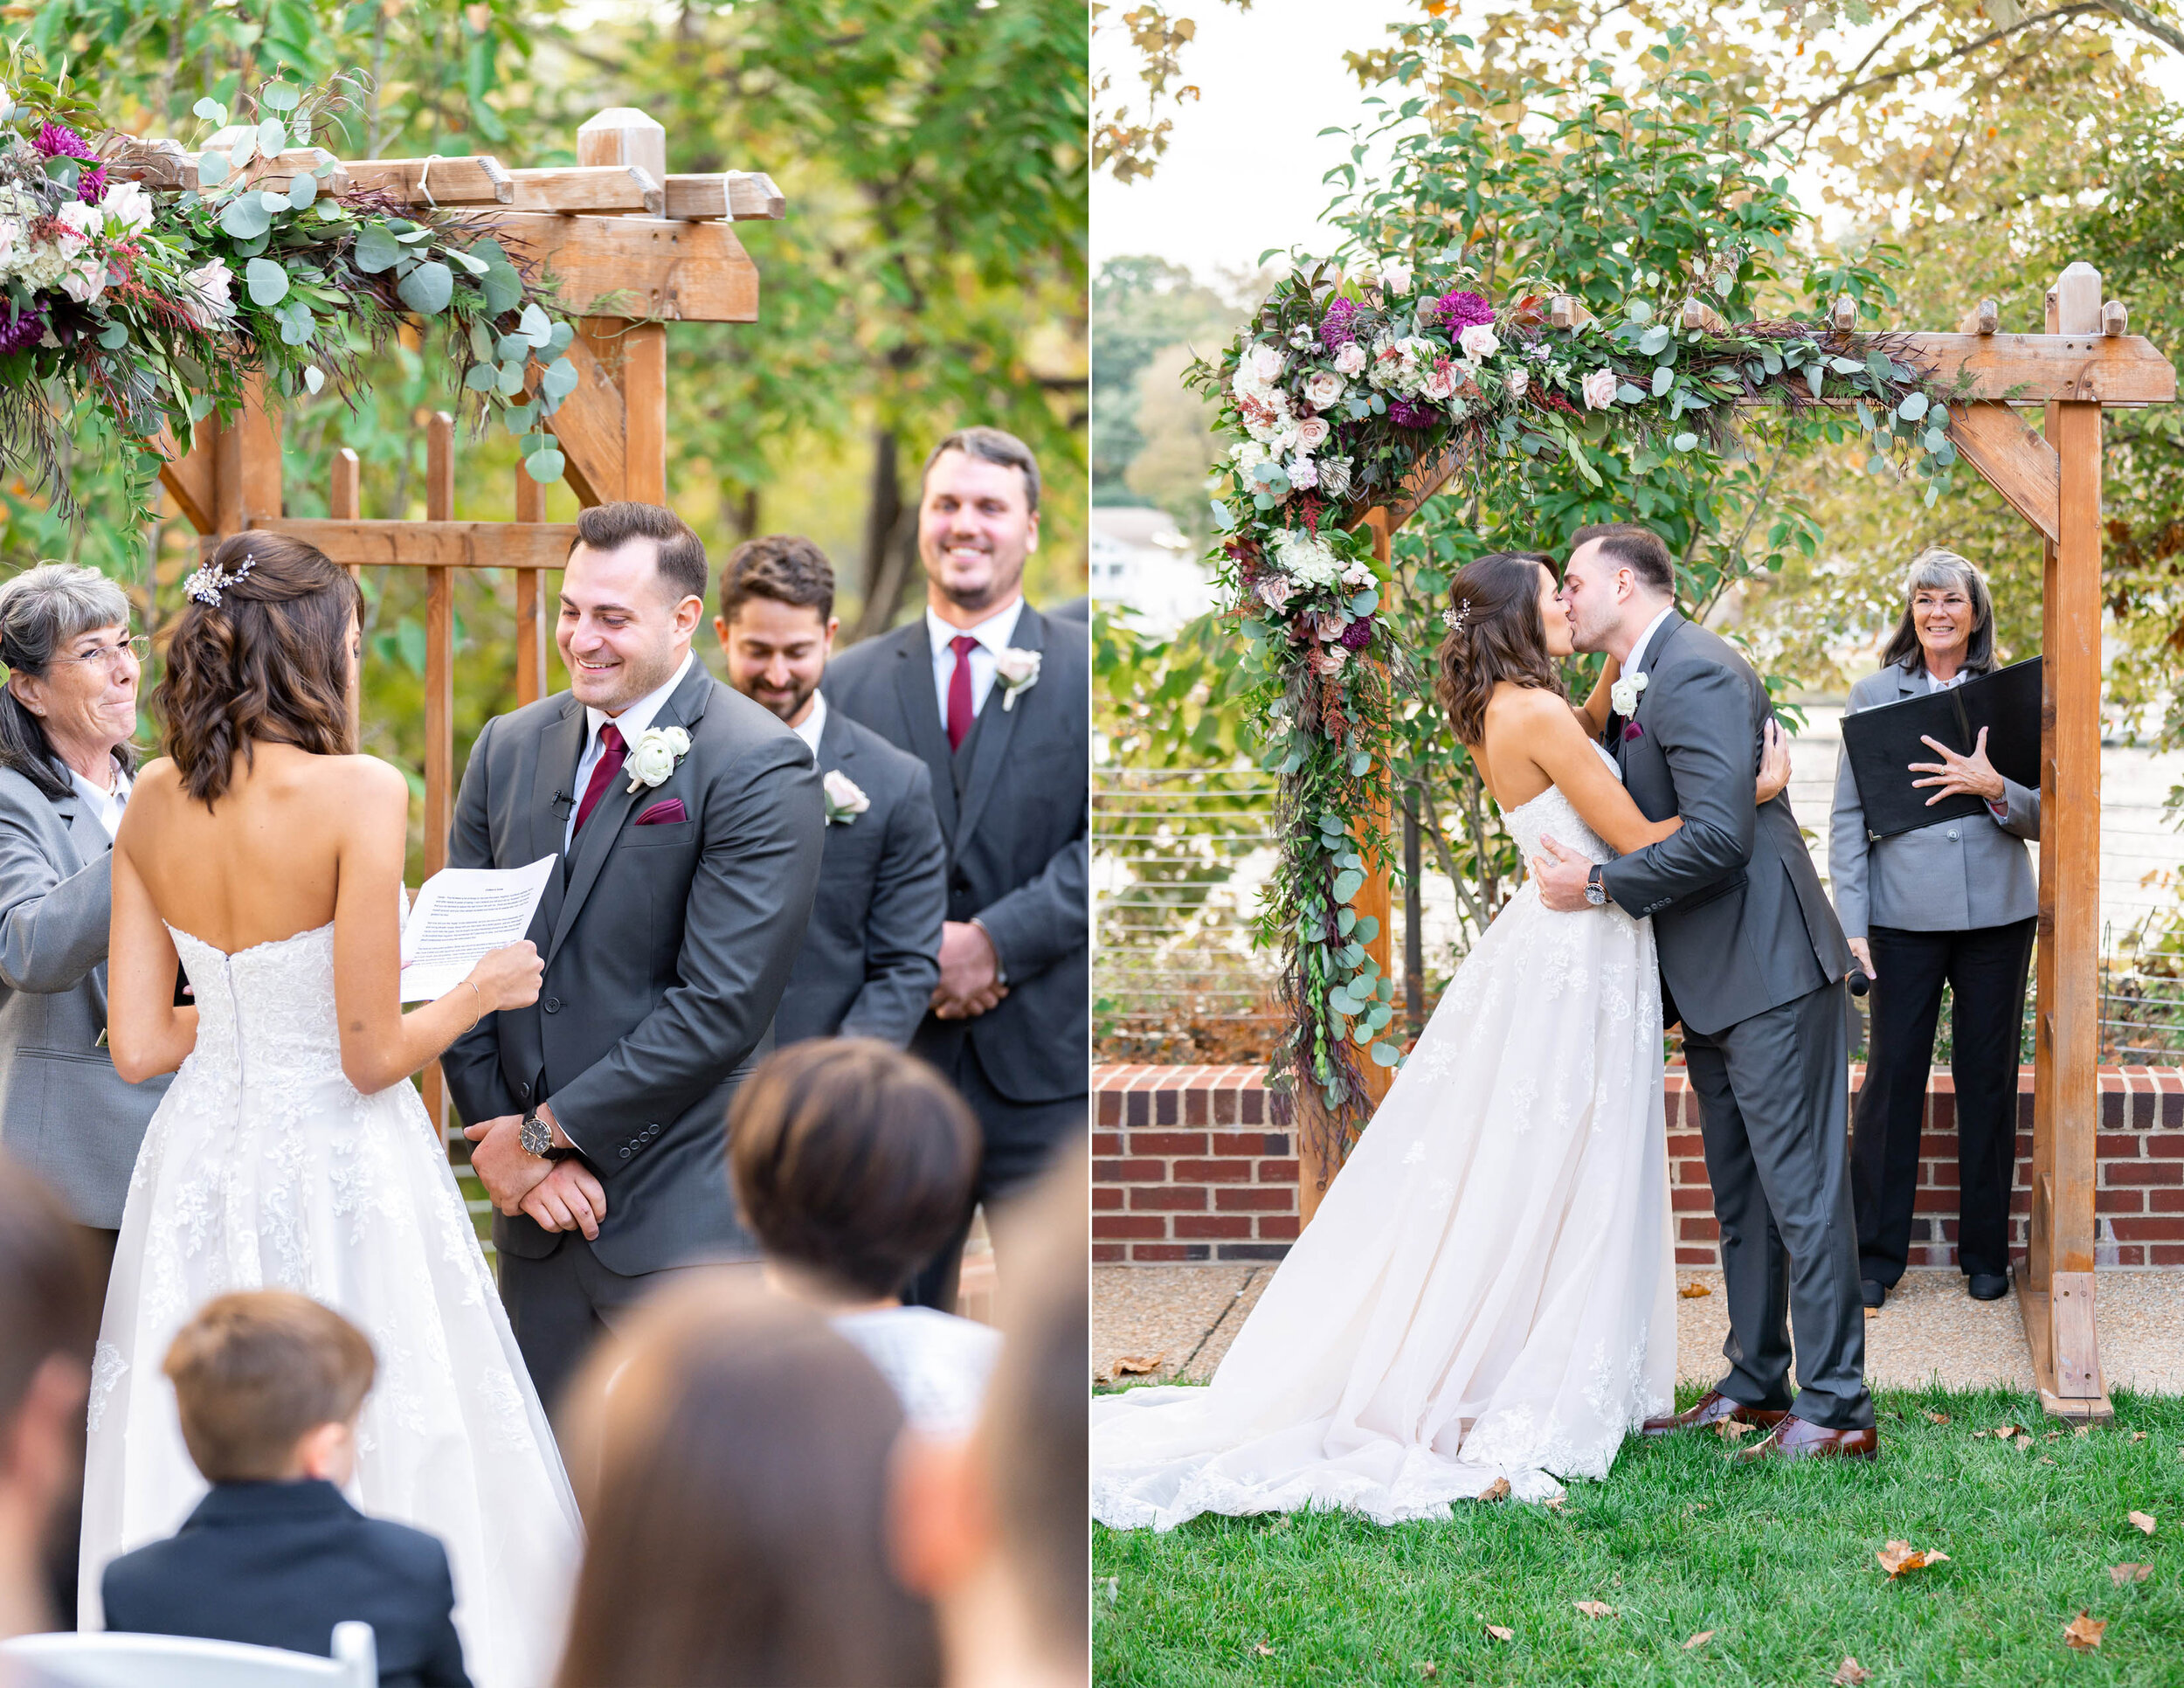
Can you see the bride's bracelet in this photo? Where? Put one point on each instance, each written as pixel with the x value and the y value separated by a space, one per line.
pixel 481 995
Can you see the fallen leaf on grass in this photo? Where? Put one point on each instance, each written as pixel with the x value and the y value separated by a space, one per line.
pixel 1263 1650
pixel 2006 1431
pixel 2085 1633
pixel 2119 1574
pixel 2137 1436
pixel 1498 1489
pixel 1692 1291
pixel 1133 1366
pixel 1979 1433
pixel 1556 1503
pixel 1429 1670
pixel 2082 1430
pixel 2053 1436
pixel 1900 1556
pixel 1940 1418
pixel 2045 1460
pixel 1850 1672
pixel 2144 1521
pixel 1698 1640
pixel 1499 1633
pixel 1595 1609
pixel 1733 1429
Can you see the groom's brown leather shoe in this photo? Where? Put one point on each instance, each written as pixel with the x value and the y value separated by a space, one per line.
pixel 1797 1438
pixel 1713 1406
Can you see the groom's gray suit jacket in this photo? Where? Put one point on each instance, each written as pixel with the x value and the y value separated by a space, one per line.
pixel 666 948
pixel 1740 920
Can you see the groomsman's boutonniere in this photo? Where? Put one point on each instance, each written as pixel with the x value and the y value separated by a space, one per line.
pixel 845 802
pixel 1017 671
pixel 658 753
pixel 1622 696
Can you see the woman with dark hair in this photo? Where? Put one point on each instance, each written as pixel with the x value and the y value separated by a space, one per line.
pixel 735 1467
pixel 1954 903
pixel 290 1151
pixel 1485 1301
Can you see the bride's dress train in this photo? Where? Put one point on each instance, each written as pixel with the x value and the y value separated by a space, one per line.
pixel 1488 1289
pixel 264 1168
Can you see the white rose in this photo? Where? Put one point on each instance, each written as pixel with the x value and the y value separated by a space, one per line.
pixel 85 281
pixel 127 207
pixel 1395 275
pixel 1516 382
pixel 1622 696
pixel 655 755
pixel 1274 590
pixel 1303 338
pixel 1359 573
pixel 1597 390
pixel 10 231
pixel 1311 433
pixel 1247 455
pixel 845 801
pixel 1440 382
pixel 1479 340
pixel 82 223
pixel 1014 671
pixel 1266 363
pixel 1323 388
pixel 1351 360
pixel 209 300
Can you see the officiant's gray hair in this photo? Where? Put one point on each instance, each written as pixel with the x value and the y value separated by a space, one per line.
pixel 1939 566
pixel 41 609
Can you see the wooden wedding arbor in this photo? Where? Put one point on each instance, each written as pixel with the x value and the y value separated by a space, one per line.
pixel 616 230
pixel 2084 361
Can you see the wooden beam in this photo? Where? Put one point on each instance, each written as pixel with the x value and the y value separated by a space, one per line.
pixel 432 544
pixel 588 188
pixel 2017 462
pixel 740 194
pixel 640 266
pixel 187 475
pixel 1424 479
pixel 591 427
pixel 440 648
pixel 530 609
pixel 2084 367
pixel 345 502
pixel 645 413
pixel 1567 311
pixel 477 179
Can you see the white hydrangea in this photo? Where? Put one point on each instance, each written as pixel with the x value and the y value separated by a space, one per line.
pixel 1305 557
pixel 41 264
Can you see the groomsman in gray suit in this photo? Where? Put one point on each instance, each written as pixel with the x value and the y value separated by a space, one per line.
pixel 995 699
pixel 688 820
pixel 871 956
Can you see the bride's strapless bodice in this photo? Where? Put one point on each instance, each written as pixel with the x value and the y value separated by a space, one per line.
pixel 265 1014
pixel 1551 814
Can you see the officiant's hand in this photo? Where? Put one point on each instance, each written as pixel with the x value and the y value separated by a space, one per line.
pixel 1862 949
pixel 568 1199
pixel 1561 875
pixel 1960 775
pixel 508 1171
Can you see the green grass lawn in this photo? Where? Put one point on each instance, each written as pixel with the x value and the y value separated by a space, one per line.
pixel 1777 1561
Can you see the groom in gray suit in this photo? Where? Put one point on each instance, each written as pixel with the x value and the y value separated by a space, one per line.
pixel 1752 962
pixel 686 819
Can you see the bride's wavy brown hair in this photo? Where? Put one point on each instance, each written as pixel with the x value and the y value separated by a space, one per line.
pixel 1498 637
pixel 269 662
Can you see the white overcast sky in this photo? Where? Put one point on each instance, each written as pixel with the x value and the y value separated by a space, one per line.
pixel 1243 166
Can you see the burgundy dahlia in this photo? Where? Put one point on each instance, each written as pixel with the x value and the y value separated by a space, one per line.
pixel 59 140
pixel 1357 635
pixel 1404 414
pixel 22 332
pixel 1461 310
pixel 1335 329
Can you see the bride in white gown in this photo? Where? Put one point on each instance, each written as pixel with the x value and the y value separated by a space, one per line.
pixel 1487 1292
pixel 290 1151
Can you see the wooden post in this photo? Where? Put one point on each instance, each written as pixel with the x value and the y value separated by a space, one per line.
pixel 2064 1350
pixel 440 695
pixel 345 502
pixel 625 135
pixel 530 611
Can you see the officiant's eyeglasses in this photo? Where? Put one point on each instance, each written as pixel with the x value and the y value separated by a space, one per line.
pixel 106 656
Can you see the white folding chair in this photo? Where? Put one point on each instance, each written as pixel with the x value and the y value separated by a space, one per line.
pixel 109 1660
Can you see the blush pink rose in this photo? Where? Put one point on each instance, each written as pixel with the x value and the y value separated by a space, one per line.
pixel 1599 390
pixel 1351 360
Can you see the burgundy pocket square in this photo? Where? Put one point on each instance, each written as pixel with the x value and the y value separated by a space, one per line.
pixel 1633 730
pixel 661 813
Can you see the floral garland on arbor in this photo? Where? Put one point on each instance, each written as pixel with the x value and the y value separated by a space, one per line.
pixel 1336 392
pixel 138 300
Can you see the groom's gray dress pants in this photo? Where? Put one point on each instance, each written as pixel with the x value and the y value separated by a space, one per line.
pixel 1773 1096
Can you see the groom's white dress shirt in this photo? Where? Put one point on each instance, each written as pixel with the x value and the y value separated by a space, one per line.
pixel 632 722
pixel 993 635
pixel 813 723
pixel 1645 639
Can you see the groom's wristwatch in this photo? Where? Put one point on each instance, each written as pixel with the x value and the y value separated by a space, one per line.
pixel 1595 892
pixel 536 1136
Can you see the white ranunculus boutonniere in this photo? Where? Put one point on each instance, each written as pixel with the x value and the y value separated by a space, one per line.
pixel 845 801
pixel 1017 671
pixel 658 753
pixel 1623 694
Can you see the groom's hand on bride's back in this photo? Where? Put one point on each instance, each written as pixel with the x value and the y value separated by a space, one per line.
pixel 1561 874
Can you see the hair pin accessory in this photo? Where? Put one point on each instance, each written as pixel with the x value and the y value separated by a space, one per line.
pixel 208 583
pixel 1454 619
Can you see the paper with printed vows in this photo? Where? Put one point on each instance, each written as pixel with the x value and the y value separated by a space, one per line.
pixel 460 913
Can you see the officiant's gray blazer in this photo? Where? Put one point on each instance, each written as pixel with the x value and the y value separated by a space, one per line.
pixel 666 948
pixel 1014 802
pixel 1740 920
pixel 64 1112
pixel 1956 876
pixel 871 955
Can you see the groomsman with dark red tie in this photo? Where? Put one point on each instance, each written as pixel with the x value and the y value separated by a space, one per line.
pixel 996 698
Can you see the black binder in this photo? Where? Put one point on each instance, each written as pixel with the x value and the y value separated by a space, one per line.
pixel 1882 742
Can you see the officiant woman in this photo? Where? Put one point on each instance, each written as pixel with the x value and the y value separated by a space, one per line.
pixel 1954 902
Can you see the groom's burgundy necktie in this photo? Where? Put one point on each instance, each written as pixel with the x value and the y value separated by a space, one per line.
pixel 960 714
pixel 612 751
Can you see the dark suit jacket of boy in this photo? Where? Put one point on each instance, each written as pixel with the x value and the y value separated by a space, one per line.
pixel 278 1565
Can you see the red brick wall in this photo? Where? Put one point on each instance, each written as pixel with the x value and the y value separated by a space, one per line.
pixel 1186 1167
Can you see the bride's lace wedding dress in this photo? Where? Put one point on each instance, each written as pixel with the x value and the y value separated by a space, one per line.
pixel 1488 1289
pixel 264 1168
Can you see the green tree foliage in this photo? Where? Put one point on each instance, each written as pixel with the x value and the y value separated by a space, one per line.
pixel 1143 308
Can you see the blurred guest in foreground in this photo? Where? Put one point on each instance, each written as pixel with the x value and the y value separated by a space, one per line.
pixel 871 955
pixel 731 1453
pixel 851 1163
pixel 269 1384
pixel 1953 902
pixel 993 1528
